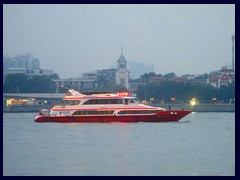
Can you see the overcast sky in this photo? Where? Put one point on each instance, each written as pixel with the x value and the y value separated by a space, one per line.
pixel 73 39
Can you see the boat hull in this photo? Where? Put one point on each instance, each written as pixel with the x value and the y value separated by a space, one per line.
pixel 163 116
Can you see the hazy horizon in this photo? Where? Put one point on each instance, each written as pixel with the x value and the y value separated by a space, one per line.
pixel 71 39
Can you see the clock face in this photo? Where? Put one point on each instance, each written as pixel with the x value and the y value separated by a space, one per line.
pixel 121 65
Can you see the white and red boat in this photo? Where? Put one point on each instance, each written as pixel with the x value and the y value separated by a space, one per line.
pixel 119 107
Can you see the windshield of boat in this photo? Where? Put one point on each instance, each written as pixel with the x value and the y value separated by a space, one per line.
pixel 133 101
pixel 111 101
pixel 130 101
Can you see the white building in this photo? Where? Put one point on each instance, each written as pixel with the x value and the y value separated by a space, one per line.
pixel 122 74
pixel 222 77
pixel 39 72
pixel 219 80
pixel 14 71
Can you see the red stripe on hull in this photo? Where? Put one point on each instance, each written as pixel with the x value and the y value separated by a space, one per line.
pixel 164 116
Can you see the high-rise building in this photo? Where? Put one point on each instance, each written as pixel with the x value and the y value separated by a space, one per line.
pixel 27 61
pixel 24 64
pixel 137 69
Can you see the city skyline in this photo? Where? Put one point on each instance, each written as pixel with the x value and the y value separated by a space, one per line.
pixel 74 39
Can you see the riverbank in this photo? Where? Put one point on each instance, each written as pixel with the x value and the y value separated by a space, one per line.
pixel 24 109
pixel 200 107
pixel 196 108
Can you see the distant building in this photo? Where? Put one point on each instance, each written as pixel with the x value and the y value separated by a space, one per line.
pixel 122 74
pixel 188 76
pixel 200 80
pixel 27 61
pixel 79 84
pixel 13 71
pixel 226 75
pixel 224 69
pixel 39 72
pixel 26 64
pixel 158 79
pixel 222 77
pixel 89 76
pixel 178 79
pixel 29 72
pixel 220 80
pixel 91 81
pixel 107 75
pixel 137 69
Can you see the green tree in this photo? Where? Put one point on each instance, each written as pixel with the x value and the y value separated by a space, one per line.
pixel 14 83
pixel 170 75
pixel 145 77
pixel 183 92
pixel 21 83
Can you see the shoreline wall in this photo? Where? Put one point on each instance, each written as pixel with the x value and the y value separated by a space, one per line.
pixel 200 107
pixel 196 108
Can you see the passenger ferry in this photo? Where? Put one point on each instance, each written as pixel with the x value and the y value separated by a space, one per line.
pixel 108 107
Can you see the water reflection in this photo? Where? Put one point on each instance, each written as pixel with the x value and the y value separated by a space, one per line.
pixel 188 147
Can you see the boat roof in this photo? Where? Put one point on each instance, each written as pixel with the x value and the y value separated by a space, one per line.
pixel 75 95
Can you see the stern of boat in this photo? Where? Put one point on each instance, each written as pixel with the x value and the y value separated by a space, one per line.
pixel 40 117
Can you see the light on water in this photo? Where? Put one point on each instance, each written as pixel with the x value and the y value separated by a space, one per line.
pixel 200 144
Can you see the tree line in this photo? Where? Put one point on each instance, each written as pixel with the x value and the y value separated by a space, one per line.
pixel 169 91
pixel 20 83
pixel 164 91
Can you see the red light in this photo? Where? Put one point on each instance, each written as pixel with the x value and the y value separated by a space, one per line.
pixel 122 93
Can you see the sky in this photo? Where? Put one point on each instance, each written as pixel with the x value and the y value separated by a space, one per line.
pixel 72 39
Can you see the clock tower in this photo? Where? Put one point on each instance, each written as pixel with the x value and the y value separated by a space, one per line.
pixel 122 74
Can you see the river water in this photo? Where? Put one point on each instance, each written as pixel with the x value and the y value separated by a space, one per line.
pixel 200 144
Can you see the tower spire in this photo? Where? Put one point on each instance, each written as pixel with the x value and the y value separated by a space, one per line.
pixel 121 49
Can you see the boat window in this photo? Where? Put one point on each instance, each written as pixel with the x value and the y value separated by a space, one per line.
pixel 93 112
pixel 138 111
pixel 65 112
pixel 131 101
pixel 72 102
pixel 103 101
